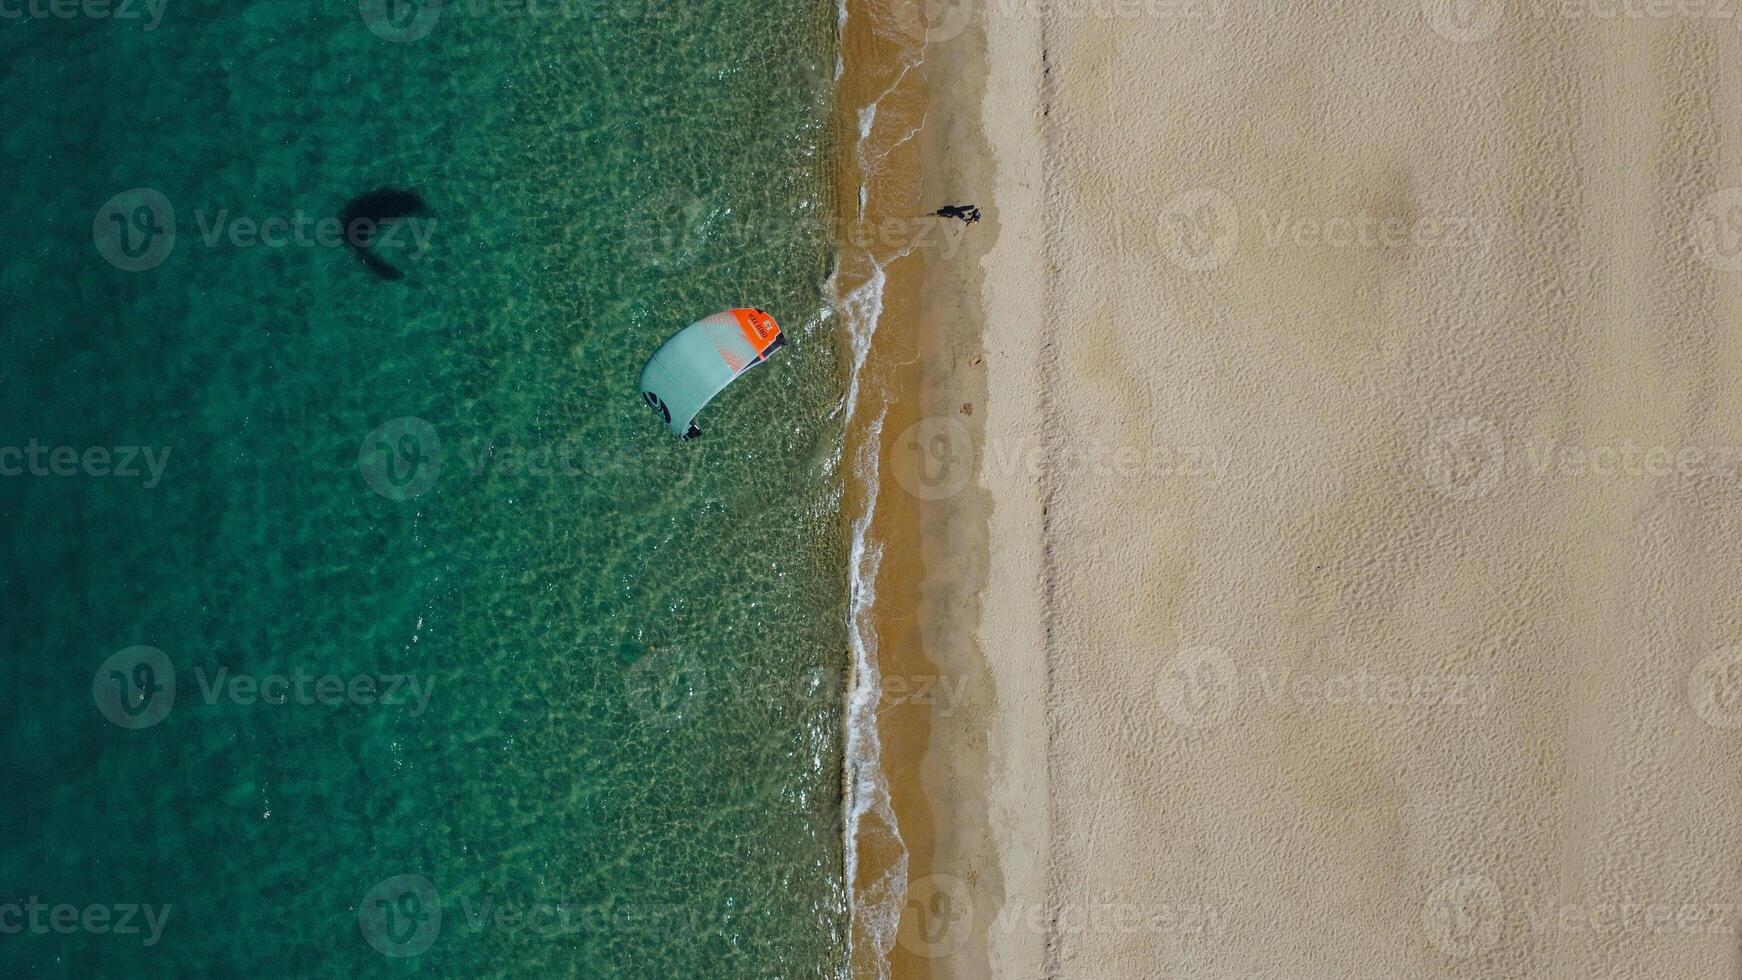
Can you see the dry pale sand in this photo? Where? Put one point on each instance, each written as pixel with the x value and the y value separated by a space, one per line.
pixel 1360 454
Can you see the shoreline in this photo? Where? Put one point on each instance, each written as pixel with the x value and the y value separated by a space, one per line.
pixel 878 98
pixel 937 730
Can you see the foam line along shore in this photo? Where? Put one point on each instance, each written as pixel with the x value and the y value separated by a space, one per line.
pixel 878 104
pixel 923 865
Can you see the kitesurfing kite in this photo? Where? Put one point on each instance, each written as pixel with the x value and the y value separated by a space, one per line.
pixel 701 360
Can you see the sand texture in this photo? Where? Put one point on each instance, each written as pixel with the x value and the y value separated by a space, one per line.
pixel 1360 442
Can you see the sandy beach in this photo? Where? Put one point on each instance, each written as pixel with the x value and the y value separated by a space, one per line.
pixel 1318 476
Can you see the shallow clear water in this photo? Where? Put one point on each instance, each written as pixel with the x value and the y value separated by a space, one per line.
pixel 625 758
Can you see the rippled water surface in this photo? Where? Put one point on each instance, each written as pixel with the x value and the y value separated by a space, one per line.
pixel 469 668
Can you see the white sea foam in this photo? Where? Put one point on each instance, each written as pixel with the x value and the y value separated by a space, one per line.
pixel 878 908
pixel 840 32
pixel 875 909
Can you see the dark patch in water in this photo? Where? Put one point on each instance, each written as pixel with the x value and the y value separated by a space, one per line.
pixel 363 217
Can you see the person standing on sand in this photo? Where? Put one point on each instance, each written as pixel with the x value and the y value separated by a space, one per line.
pixel 968 213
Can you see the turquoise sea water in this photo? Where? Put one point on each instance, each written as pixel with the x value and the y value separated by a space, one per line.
pixel 614 746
